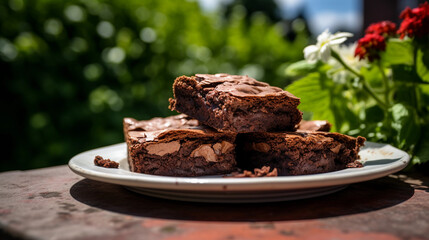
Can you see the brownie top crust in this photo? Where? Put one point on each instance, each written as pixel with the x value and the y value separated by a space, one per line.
pixel 322 134
pixel 310 139
pixel 166 129
pixel 172 134
pixel 239 85
pixel 158 123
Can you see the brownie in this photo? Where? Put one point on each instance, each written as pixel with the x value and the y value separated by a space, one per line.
pixel 297 153
pixel 235 103
pixel 178 146
pixel 314 125
pixel 107 163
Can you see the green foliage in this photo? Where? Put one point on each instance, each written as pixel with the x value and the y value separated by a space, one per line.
pixel 315 96
pixel 398 52
pixel 422 63
pixel 300 68
pixel 73 69
pixel 324 99
pixel 406 125
pixel 385 101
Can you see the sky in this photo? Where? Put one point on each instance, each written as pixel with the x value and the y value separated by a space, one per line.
pixel 326 14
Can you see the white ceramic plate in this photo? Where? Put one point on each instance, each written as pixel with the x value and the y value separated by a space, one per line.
pixel 378 160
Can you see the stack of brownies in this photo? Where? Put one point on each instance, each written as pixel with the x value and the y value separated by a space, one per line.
pixel 230 123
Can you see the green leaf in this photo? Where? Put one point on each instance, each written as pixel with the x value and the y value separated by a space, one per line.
pixel 422 63
pixel 405 94
pixel 424 99
pixel 405 122
pixel 301 68
pixel 372 75
pixel 374 114
pixel 315 97
pixel 398 52
pixel 405 73
pixel 422 151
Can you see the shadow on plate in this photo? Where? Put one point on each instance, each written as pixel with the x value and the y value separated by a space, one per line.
pixel 356 198
pixel 381 161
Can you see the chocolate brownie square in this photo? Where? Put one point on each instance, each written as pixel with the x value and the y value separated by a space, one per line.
pixel 235 103
pixel 181 148
pixel 297 153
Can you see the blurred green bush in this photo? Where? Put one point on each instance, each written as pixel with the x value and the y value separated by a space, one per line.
pixel 73 69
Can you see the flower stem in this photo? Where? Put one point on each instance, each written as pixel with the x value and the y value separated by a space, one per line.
pixel 370 91
pixel 366 86
pixel 340 60
pixel 386 83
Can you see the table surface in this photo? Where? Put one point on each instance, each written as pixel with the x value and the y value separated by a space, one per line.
pixel 55 203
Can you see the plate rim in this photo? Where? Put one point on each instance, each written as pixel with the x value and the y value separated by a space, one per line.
pixel 128 178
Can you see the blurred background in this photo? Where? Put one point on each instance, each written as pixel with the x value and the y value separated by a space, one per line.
pixel 72 70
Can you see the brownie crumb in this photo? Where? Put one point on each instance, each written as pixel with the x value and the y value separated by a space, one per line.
pixel 107 163
pixel 257 172
pixel 355 164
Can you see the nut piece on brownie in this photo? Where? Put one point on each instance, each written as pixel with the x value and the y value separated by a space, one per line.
pixel 315 125
pixel 235 103
pixel 178 146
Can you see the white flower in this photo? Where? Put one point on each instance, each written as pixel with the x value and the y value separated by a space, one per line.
pixel 347 54
pixel 322 49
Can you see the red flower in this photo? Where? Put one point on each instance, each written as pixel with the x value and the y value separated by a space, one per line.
pixel 370 46
pixel 415 21
pixel 384 28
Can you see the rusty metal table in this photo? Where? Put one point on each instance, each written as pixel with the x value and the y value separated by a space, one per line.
pixel 54 203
